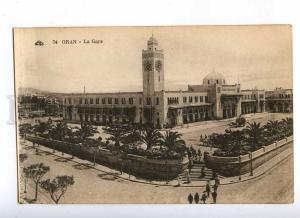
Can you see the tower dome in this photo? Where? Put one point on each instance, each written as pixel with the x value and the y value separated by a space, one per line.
pixel 152 41
pixel 214 78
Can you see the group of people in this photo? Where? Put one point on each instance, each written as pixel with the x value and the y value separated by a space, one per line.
pixel 194 154
pixel 206 193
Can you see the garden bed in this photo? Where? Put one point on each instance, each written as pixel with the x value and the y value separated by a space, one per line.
pixel 130 163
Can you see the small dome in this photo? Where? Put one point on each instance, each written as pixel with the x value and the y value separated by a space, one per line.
pixel 214 78
pixel 152 41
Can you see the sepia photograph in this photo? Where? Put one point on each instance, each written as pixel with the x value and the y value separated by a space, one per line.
pixel 154 115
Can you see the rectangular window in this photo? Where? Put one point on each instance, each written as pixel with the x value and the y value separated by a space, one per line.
pixel 184 99
pixel 103 100
pixel 157 100
pixel 196 99
pixel 116 101
pixel 70 100
pixel 190 99
pixel 123 100
pixel 109 100
pixel 91 101
pixel 130 100
pixel 86 101
pixel 80 100
pixel 140 101
pixel 206 99
pixel 97 100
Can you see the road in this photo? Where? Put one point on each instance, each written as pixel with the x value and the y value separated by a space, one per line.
pixel 92 186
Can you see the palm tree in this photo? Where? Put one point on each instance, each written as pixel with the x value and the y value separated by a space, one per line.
pixel 273 128
pixel 150 137
pixel 234 141
pixel 86 130
pixel 173 141
pixel 117 132
pixel 59 131
pixel 255 134
pixel 288 125
pixel 42 127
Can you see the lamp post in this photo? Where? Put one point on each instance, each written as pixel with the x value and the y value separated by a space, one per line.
pixel 251 165
pixel 240 176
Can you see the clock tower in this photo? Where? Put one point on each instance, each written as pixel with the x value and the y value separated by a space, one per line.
pixel 153 68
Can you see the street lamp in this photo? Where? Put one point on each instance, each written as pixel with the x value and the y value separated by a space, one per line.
pixel 251 165
pixel 240 176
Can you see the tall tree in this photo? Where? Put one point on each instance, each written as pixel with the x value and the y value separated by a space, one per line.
pixel 173 141
pixel 59 131
pixel 35 172
pixel 42 127
pixel 255 135
pixel 57 187
pixel 288 125
pixel 273 128
pixel 150 137
pixel 117 133
pixel 86 130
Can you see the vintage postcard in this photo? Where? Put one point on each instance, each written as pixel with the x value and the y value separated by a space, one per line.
pixel 154 115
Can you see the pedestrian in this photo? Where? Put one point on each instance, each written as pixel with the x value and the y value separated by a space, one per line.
pixel 190 198
pixel 207 188
pixel 189 153
pixel 188 177
pixel 202 175
pixel 190 165
pixel 204 197
pixel 196 198
pixel 215 187
pixel 214 174
pixel 214 195
pixel 217 180
pixel 178 180
pixel 199 154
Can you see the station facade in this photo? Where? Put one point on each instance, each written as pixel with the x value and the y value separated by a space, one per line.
pixel 213 99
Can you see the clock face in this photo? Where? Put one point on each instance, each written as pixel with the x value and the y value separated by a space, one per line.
pixel 148 66
pixel 158 65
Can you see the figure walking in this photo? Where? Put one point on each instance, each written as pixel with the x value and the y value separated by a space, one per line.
pixel 214 196
pixel 202 175
pixel 207 188
pixel 204 197
pixel 215 187
pixel 196 198
pixel 190 198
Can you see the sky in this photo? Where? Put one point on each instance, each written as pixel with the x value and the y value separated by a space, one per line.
pixel 255 56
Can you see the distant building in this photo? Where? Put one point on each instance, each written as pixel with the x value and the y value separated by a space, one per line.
pixel 213 99
pixel 280 100
pixel 38 105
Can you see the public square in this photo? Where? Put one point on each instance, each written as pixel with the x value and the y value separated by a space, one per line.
pixel 105 186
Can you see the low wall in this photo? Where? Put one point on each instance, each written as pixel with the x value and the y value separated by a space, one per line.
pixel 132 164
pixel 232 166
